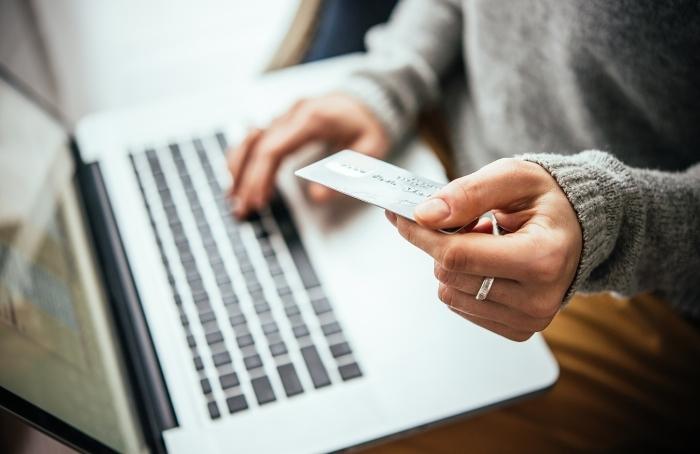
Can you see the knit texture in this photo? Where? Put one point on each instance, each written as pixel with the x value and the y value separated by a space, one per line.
pixel 548 80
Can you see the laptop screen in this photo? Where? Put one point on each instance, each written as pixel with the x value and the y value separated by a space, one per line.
pixel 57 343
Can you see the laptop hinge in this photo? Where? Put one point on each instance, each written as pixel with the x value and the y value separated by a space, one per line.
pixel 151 396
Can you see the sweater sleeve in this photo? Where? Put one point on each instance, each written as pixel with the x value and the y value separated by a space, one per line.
pixel 641 228
pixel 405 61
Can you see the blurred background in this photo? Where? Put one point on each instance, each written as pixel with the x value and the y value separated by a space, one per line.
pixel 95 55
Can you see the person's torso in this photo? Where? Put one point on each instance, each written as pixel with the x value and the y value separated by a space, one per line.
pixel 563 76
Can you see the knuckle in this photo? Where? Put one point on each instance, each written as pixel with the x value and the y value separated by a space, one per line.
pixel 270 152
pixel 441 292
pixel 546 271
pixel 443 275
pixel 466 194
pixel 550 261
pixel 311 115
pixel 445 295
pixel 542 308
pixel 510 167
pixel 299 104
pixel 452 258
pixel 406 231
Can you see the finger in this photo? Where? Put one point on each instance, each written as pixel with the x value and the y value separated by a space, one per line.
pixel 370 144
pixel 391 217
pixel 494 327
pixel 320 193
pixel 258 182
pixel 490 310
pixel 503 291
pixel 473 253
pixel 237 157
pixel 504 183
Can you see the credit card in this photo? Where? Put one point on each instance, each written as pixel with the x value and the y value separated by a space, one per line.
pixel 371 180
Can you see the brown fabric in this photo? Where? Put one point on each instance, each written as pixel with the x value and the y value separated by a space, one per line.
pixel 630 379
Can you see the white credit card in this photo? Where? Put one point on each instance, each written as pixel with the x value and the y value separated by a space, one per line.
pixel 371 180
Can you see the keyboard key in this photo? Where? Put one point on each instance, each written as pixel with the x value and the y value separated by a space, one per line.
pixel 341 349
pixel 222 280
pixel 278 348
pixel 296 320
pixel 198 364
pixel 263 390
pixel 213 410
pixel 203 306
pixel 291 310
pixel 318 373
pixel 287 300
pixel 260 232
pixel 245 340
pixel 254 286
pixel 274 268
pixel 228 298
pixel 330 328
pixel 300 331
pixel 234 310
pixel 206 387
pixel 236 404
pixel 229 380
pixel 238 319
pixel 207 316
pixel 252 362
pixel 290 380
pixel 217 347
pixel 262 307
pixel 221 359
pixel 221 139
pixel 280 280
pixel 192 274
pixel 273 338
pixel 213 338
pixel 321 306
pixel 242 329
pixel 200 296
pixel 269 328
pixel 350 371
pixel 210 326
pixel 190 341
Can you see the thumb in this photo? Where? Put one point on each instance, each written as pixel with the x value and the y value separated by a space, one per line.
pixel 500 185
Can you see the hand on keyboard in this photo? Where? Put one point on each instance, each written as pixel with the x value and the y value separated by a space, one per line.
pixel 335 119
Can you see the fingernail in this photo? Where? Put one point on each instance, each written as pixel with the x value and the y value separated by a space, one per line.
pixel 390 216
pixel 434 209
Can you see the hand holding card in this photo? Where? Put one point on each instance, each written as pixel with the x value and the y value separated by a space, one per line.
pixel 522 277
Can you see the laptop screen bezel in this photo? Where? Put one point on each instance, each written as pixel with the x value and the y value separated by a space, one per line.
pixel 155 414
pixel 11 402
pixel 49 424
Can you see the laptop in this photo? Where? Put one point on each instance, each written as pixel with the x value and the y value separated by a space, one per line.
pixel 136 314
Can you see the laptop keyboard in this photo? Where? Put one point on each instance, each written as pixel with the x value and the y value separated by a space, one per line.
pixel 253 312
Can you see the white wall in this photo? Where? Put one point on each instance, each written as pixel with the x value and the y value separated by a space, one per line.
pixel 108 54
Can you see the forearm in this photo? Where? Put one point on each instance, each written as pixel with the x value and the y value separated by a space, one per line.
pixel 405 61
pixel 640 227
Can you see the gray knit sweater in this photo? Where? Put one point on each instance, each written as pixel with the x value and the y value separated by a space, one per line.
pixel 552 80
